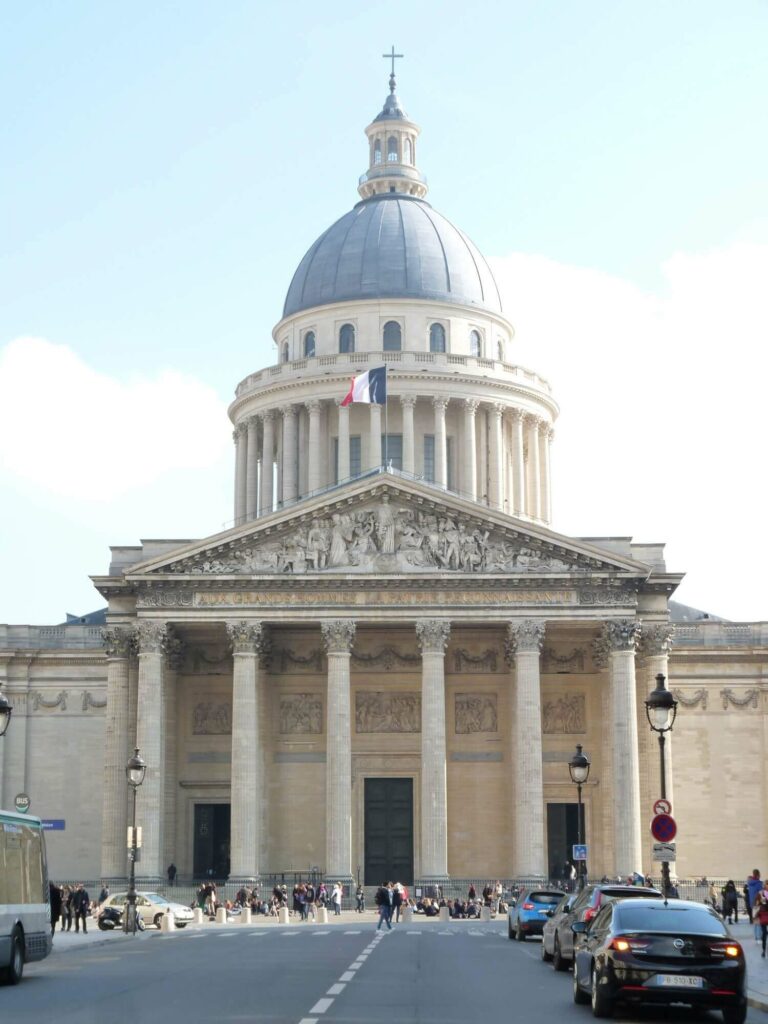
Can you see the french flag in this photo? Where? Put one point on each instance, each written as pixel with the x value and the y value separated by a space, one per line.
pixel 370 387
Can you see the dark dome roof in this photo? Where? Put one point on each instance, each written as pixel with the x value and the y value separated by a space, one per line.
pixel 392 246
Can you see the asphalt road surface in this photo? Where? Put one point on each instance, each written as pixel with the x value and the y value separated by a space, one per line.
pixel 422 972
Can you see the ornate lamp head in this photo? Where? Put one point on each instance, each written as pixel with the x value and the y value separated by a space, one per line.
pixel 661 706
pixel 579 766
pixel 136 769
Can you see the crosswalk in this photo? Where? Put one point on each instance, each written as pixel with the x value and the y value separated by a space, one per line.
pixel 294 933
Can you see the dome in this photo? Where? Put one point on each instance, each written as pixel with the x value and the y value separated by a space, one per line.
pixel 392 246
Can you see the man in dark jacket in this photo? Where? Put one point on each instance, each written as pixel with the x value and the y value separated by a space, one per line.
pixel 384 901
pixel 55 897
pixel 81 903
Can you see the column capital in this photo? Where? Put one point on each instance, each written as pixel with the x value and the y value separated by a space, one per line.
pixel 432 635
pixel 517 415
pixel 533 421
pixel 252 422
pixel 237 433
pixel 440 403
pixel 656 638
pixel 119 641
pixel 247 637
pixel 289 412
pixel 267 415
pixel 407 401
pixel 313 406
pixel 496 408
pixel 174 651
pixel 152 637
pixel 619 635
pixel 338 635
pixel 471 406
pixel 527 636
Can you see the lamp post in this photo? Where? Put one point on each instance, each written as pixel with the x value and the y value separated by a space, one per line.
pixel 661 710
pixel 134 771
pixel 578 767
pixel 5 714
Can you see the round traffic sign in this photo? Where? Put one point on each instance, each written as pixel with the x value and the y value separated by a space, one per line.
pixel 662 807
pixel 22 803
pixel 664 828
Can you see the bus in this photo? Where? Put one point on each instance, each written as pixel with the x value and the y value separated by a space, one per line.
pixel 25 907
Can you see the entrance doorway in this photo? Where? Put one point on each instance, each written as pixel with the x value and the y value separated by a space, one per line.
pixel 211 849
pixel 562 834
pixel 388 831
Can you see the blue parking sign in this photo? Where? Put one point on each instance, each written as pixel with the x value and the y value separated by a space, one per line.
pixel 579 851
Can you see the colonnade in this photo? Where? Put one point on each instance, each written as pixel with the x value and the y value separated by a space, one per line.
pixel 502 454
pixel 153 642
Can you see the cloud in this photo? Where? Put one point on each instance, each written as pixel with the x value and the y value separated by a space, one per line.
pixel 78 433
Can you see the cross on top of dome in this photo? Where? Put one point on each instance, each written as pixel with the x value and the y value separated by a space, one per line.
pixel 393 57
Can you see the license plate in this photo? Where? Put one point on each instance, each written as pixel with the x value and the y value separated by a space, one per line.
pixel 679 981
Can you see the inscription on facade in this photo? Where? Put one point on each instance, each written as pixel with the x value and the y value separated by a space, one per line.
pixel 407 598
pixel 476 712
pixel 212 719
pixel 301 713
pixel 379 711
pixel 565 714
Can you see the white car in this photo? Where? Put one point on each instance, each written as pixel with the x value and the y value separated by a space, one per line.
pixel 151 907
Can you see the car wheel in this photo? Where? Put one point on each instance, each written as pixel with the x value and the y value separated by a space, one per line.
pixel 580 997
pixel 558 960
pixel 519 933
pixel 140 926
pixel 181 924
pixel 601 1006
pixel 158 920
pixel 545 956
pixel 15 968
pixel 735 1014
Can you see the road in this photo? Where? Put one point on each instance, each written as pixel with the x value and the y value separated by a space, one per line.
pixel 423 972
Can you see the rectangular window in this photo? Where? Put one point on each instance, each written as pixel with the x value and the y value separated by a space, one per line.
pixel 355 460
pixel 429 457
pixel 392 450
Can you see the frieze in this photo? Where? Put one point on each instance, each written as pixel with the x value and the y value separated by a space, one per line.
pixel 476 712
pixel 312 662
pixel 485 662
pixel 379 711
pixel 609 596
pixel 38 701
pixel 749 698
pixel 212 719
pixel 565 715
pixel 405 598
pixel 89 701
pixel 301 713
pixel 176 597
pixel 692 700
pixel 388 658
pixel 574 661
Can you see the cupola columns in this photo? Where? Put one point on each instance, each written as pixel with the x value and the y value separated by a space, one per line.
pixel 392 149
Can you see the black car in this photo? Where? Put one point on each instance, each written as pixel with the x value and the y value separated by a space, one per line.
pixel 653 952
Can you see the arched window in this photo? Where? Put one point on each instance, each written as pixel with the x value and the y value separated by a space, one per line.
pixel 437 338
pixel 393 336
pixel 286 352
pixel 474 343
pixel 377 151
pixel 392 149
pixel 309 345
pixel 500 350
pixel 347 338
pixel 407 152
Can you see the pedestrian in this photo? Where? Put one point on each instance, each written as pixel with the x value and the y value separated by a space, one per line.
pixel 172 874
pixel 760 911
pixel 81 903
pixel 384 901
pixel 753 887
pixel 104 894
pixel 730 902
pixel 66 909
pixel 360 898
pixel 397 900
pixel 54 894
pixel 472 894
pixel 336 894
pixel 310 904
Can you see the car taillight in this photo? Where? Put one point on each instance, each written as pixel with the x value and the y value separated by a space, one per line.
pixel 588 914
pixel 528 906
pixel 629 945
pixel 731 949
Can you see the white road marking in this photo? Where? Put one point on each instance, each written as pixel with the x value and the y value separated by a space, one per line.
pixel 321 1005
pixel 308 1020
pixel 413 933
pixel 353 933
pixel 289 933
pixel 336 989
pixel 347 976
pixel 321 933
pixel 354 967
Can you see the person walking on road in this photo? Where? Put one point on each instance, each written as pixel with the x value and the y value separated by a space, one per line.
pixel 172 874
pixel 398 896
pixel 760 915
pixel 336 894
pixel 55 898
pixel 385 901
pixel 730 902
pixel 753 887
pixel 81 903
pixel 360 897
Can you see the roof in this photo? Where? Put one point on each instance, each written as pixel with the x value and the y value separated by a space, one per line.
pixel 392 246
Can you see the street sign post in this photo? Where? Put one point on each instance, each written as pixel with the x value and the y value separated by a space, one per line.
pixel 579 851
pixel 662 807
pixel 664 828
pixel 665 852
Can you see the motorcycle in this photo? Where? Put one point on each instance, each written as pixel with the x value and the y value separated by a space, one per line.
pixel 111 919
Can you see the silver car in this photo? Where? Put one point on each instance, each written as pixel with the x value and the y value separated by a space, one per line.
pixel 152 908
pixel 555 915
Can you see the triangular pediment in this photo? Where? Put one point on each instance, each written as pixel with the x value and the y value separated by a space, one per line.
pixel 388 526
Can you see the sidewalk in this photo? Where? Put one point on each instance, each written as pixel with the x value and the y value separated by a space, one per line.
pixel 757 967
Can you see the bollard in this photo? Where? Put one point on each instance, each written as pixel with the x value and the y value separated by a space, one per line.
pixel 168 923
pixel 407 915
pixel 197 915
pixel 321 916
pixel 444 915
pixel 221 915
pixel 485 913
pixel 245 915
pixel 282 916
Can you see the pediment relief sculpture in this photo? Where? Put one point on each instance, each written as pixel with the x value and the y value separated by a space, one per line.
pixel 386 537
pixel 476 712
pixel 381 711
pixel 566 714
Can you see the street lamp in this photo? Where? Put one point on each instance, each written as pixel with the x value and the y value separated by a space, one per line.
pixel 5 714
pixel 661 709
pixel 135 771
pixel 579 766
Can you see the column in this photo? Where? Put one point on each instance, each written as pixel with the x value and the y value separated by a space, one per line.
pixel 495 468
pixel 523 648
pixel 150 739
pixel 441 447
pixel 546 433
pixel 407 403
pixel 174 656
pixel 518 463
pixel 338 638
pixel 534 479
pixel 241 455
pixel 620 637
pixel 469 461
pixel 252 470
pixel 343 469
pixel 13 746
pixel 432 636
pixel 290 452
pixel 266 496
pixel 118 641
pixel 247 640
pixel 374 437
pixel 302 461
pixel 313 478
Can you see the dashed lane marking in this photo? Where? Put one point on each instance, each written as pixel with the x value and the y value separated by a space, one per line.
pixel 336 989
pixel 321 1005
pixel 347 976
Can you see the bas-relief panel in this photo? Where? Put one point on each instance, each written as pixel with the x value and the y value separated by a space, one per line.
pixel 380 711
pixel 476 712
pixel 212 718
pixel 564 714
pixel 301 714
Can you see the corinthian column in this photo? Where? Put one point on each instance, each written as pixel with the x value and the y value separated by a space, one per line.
pixel 150 739
pixel 469 462
pixel 407 403
pixel 118 641
pixel 620 638
pixel 266 492
pixel 247 640
pixel 252 472
pixel 374 437
pixel 433 636
pixel 441 444
pixel 534 478
pixel 546 433
pixel 338 638
pixel 523 648
pixel 290 455
pixel 495 460
pixel 313 474
pixel 343 470
pixel 241 471
pixel 174 656
pixel 518 463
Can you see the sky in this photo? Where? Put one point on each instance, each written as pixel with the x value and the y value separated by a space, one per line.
pixel 166 165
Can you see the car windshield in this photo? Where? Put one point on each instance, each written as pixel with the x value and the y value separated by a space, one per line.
pixel 154 897
pixel 654 917
pixel 545 897
pixel 629 892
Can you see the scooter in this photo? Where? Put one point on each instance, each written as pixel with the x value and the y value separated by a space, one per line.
pixel 111 919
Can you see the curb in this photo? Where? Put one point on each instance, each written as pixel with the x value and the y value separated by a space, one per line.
pixel 758 1003
pixel 87 945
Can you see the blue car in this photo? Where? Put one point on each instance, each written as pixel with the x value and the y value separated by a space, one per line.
pixel 531 911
